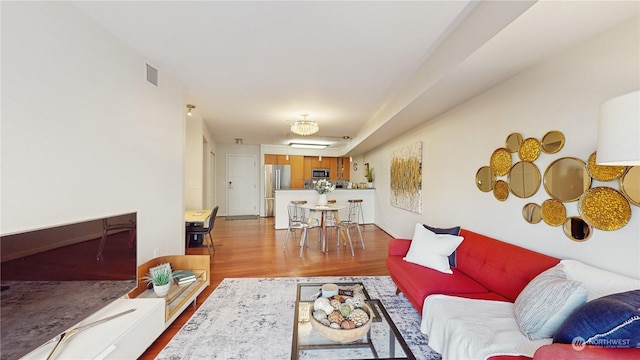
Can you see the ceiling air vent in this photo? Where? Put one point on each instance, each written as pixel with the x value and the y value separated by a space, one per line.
pixel 152 75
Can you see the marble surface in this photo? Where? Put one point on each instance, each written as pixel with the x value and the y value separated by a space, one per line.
pixel 252 318
pixel 33 312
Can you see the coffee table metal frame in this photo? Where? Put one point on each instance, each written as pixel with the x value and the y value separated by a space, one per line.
pixel 305 294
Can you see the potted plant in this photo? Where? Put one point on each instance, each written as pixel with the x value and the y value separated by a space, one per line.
pixel 369 175
pixel 160 276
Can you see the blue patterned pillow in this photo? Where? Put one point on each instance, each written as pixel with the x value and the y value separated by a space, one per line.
pixel 609 321
pixel 450 231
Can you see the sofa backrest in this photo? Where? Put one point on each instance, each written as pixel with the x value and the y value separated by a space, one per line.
pixel 501 267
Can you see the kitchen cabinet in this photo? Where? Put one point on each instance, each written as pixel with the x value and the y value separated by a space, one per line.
pixel 297 167
pixel 272 159
pixel 297 171
pixel 333 167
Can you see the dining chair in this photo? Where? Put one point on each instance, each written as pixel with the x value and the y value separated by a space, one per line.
pixel 350 223
pixel 107 227
pixel 299 221
pixel 202 230
pixel 330 219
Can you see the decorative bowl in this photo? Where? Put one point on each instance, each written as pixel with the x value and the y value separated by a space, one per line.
pixel 342 335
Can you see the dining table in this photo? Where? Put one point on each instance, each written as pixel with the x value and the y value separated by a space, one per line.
pixel 323 210
pixel 196 218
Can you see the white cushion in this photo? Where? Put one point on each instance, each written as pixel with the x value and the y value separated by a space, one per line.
pixel 432 250
pixel 546 302
pixel 598 282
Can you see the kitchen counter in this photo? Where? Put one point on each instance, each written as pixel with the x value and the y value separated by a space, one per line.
pixel 284 197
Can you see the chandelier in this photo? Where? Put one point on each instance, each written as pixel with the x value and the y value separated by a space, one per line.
pixel 305 127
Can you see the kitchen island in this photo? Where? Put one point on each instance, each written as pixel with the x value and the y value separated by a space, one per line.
pixel 284 197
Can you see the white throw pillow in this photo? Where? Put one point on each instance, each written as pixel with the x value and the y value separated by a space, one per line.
pixel 598 282
pixel 432 250
pixel 546 302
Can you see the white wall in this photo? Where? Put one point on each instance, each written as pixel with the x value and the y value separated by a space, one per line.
pixel 83 134
pixel 196 133
pixel 561 94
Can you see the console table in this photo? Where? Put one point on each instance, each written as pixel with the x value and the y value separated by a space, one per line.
pixel 130 333
pixel 179 297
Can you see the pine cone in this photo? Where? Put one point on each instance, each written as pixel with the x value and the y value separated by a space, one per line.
pixel 336 317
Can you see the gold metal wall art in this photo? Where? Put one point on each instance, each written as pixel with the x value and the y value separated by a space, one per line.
pixel 576 229
pixel 553 212
pixel 500 162
pixel 485 179
pixel 552 142
pixel 524 179
pixel 529 150
pixel 604 208
pixel 406 177
pixel 513 142
pixel 532 213
pixel 630 185
pixel 501 190
pixel 602 172
pixel 566 179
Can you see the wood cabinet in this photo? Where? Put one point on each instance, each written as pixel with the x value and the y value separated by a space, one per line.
pixel 333 167
pixel 272 159
pixel 297 171
pixel 343 166
pixel 179 297
pixel 301 167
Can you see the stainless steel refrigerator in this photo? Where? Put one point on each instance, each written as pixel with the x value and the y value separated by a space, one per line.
pixel 276 177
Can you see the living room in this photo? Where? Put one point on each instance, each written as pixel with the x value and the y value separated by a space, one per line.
pixel 83 138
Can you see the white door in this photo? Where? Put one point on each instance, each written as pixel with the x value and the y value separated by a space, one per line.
pixel 242 186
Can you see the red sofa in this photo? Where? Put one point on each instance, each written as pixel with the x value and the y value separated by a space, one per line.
pixel 488 269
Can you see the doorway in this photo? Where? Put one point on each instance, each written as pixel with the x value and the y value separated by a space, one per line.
pixel 242 187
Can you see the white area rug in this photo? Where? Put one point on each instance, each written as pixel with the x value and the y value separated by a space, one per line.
pixel 249 318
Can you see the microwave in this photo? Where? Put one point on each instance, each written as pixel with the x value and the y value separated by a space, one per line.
pixel 320 173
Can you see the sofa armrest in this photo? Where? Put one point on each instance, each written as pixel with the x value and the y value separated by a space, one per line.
pixel 566 351
pixel 399 247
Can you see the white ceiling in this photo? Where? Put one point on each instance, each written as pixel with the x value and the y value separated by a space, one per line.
pixel 370 70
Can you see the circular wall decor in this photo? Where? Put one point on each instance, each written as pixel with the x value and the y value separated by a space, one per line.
pixel 524 179
pixel 532 213
pixel 553 212
pixel 529 150
pixel 576 229
pixel 500 162
pixel 513 142
pixel 603 173
pixel 604 208
pixel 552 142
pixel 485 178
pixel 630 185
pixel 501 190
pixel 566 179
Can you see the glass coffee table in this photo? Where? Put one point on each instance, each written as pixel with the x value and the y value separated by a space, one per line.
pixel 383 341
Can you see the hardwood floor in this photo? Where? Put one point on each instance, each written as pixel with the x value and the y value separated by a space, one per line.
pixel 252 248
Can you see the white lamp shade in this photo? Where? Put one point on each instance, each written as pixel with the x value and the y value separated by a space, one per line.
pixel 619 131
